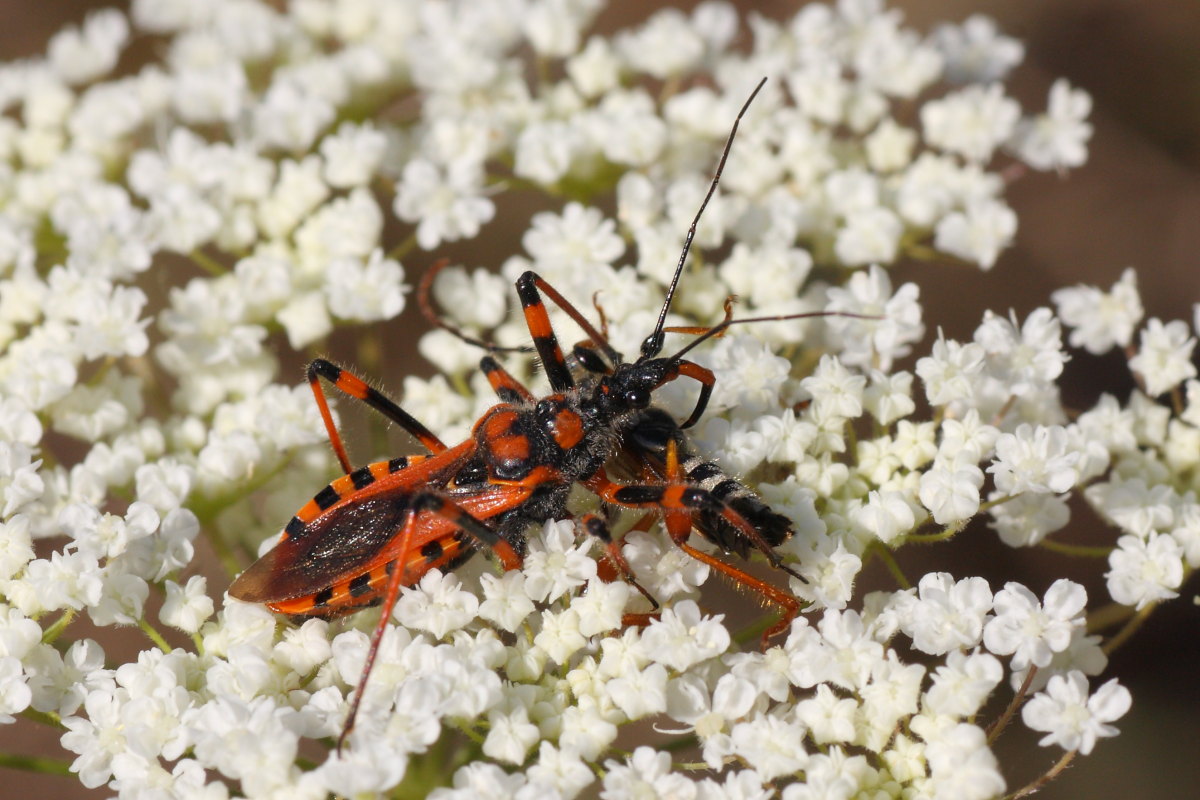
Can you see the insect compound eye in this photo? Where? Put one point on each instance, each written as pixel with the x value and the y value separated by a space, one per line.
pixel 637 398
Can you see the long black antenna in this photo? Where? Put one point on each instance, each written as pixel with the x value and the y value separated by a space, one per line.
pixel 653 343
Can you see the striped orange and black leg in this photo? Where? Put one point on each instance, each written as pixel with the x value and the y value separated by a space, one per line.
pixel 422 503
pixel 506 387
pixel 596 527
pixel 357 388
pixel 530 288
pixel 679 503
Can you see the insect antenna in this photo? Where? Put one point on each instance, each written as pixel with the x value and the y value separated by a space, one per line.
pixel 726 324
pixel 653 344
pixel 425 303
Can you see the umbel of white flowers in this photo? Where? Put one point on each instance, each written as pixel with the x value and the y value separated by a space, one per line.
pixel 294 157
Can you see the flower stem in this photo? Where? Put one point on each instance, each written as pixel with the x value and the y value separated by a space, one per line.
pixel 893 566
pixel 404 248
pixel 1084 551
pixel 1001 723
pixel 949 532
pixel 208 264
pixel 1107 616
pixel 154 635
pixel 1045 778
pixel 1130 628
pixel 46 766
pixel 58 626
pixel 44 718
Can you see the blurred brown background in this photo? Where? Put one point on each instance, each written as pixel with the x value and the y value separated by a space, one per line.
pixel 1137 202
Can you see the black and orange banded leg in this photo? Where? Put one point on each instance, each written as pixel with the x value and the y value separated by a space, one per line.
pixel 597 528
pixel 530 288
pixel 679 502
pixel 439 506
pixel 506 387
pixel 357 388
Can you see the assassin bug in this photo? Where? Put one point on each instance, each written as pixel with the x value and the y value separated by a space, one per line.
pixel 382 526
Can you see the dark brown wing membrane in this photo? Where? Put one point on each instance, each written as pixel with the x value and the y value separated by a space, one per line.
pixel 335 546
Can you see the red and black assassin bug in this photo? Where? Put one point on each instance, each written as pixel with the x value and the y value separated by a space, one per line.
pixel 384 525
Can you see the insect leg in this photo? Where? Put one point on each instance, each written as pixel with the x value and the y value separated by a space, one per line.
pixel 530 288
pixel 506 387
pixel 424 502
pixel 357 388
pixel 594 526
pixel 679 503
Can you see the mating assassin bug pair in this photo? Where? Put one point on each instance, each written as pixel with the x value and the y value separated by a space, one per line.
pixel 382 526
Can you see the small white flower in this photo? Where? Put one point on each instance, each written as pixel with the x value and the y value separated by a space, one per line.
pixel 506 601
pixel 976 52
pixel 544 151
pixel 962 765
pixel 353 154
pixel 949 373
pixel 647 773
pixel 560 635
pixel 15 694
pixel 368 291
pixel 578 240
pixel 886 515
pixel 951 492
pixel 446 205
pixel 978 233
pixel 510 737
pixel 682 637
pixel 186 607
pixel 892 324
pixel 1145 570
pixel 84 54
pixel 1058 138
pixel 963 684
pixel 888 397
pixel 557 563
pixel 1164 357
pixel 946 615
pixel 558 770
pixel 665 46
pixel 1030 631
pixel 438 604
pixel 1035 459
pixel 971 122
pixel 835 390
pixel 868 236
pixel 1073 720
pixel 639 692
pixel 828 716
pixel 1027 519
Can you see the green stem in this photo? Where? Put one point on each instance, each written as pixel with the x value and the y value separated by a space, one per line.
pixel 208 264
pixel 1130 628
pixel 949 532
pixel 1107 616
pixel 472 734
pixel 46 766
pixel 893 566
pixel 44 718
pixel 1075 549
pixel 754 631
pixel 58 626
pixel 405 247
pixel 990 504
pixel 1046 777
pixel 678 743
pixel 154 635
pixel 1000 724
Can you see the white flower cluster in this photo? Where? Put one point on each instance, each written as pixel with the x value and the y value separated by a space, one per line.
pixel 166 230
